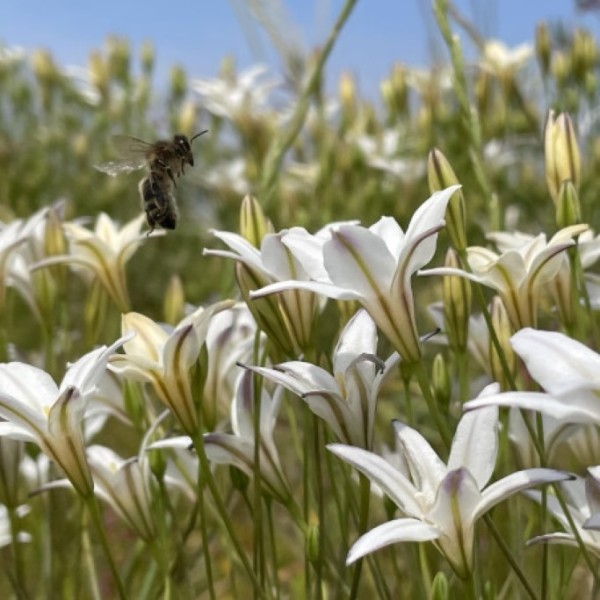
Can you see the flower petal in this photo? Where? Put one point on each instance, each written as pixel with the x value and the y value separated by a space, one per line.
pixel 378 470
pixel 579 409
pixel 392 532
pixel 358 260
pixel 475 444
pixel 516 482
pixel 557 362
pixel 426 468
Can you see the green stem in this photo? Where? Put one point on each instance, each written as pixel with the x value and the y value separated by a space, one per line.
pixel 88 556
pixel 273 543
pixel 365 496
pixel 16 552
pixel 204 533
pixel 258 558
pixel 96 516
pixel 209 480
pixel 441 424
pixel 284 140
pixel 509 557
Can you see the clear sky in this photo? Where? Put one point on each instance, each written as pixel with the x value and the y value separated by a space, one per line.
pixel 199 33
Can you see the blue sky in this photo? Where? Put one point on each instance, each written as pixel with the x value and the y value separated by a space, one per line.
pixel 198 34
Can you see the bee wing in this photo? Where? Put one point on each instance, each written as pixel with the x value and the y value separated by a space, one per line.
pixel 118 167
pixel 131 147
pixel 133 154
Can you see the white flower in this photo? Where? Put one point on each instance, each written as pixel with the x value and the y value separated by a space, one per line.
pixel 346 399
pixel 518 272
pixel 37 410
pixel 567 370
pixel 103 252
pixel 237 448
pixel 373 266
pixel 441 502
pixel 501 61
pixel 164 360
pixel 581 497
pixel 246 91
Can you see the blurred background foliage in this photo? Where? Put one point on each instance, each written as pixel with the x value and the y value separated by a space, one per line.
pixel 353 159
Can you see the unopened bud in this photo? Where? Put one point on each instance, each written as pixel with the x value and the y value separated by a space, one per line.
pixel 560 68
pixel 440 176
pixel 148 57
pixel 174 303
pixel 254 225
pixel 347 93
pixel 439 587
pixel 186 118
pixel 119 56
pixel 178 79
pixel 98 70
pixel 440 381
pixel 457 304
pixel 543 47
pixel 568 207
pixel 503 329
pixel 312 542
pixel 561 153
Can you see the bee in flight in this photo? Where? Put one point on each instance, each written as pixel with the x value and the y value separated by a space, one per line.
pixel 165 161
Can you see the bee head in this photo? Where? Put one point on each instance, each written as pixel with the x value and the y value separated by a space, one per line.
pixel 183 146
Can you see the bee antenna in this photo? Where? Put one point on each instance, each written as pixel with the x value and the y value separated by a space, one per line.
pixel 199 134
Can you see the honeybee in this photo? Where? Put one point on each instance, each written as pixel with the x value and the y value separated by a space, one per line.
pixel 165 161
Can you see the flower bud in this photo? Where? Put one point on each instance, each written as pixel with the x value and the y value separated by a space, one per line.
pixel 178 80
pixel 561 153
pixel 440 175
pixel 347 93
pixel 560 68
pixel 119 56
pixel 440 381
pixel 568 208
pixel 98 71
pixel 457 305
pixel 439 587
pixel 186 118
pixel 395 92
pixel 503 329
pixel 269 314
pixel 254 225
pixel 312 541
pixel 174 303
pixel 543 47
pixel 148 57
